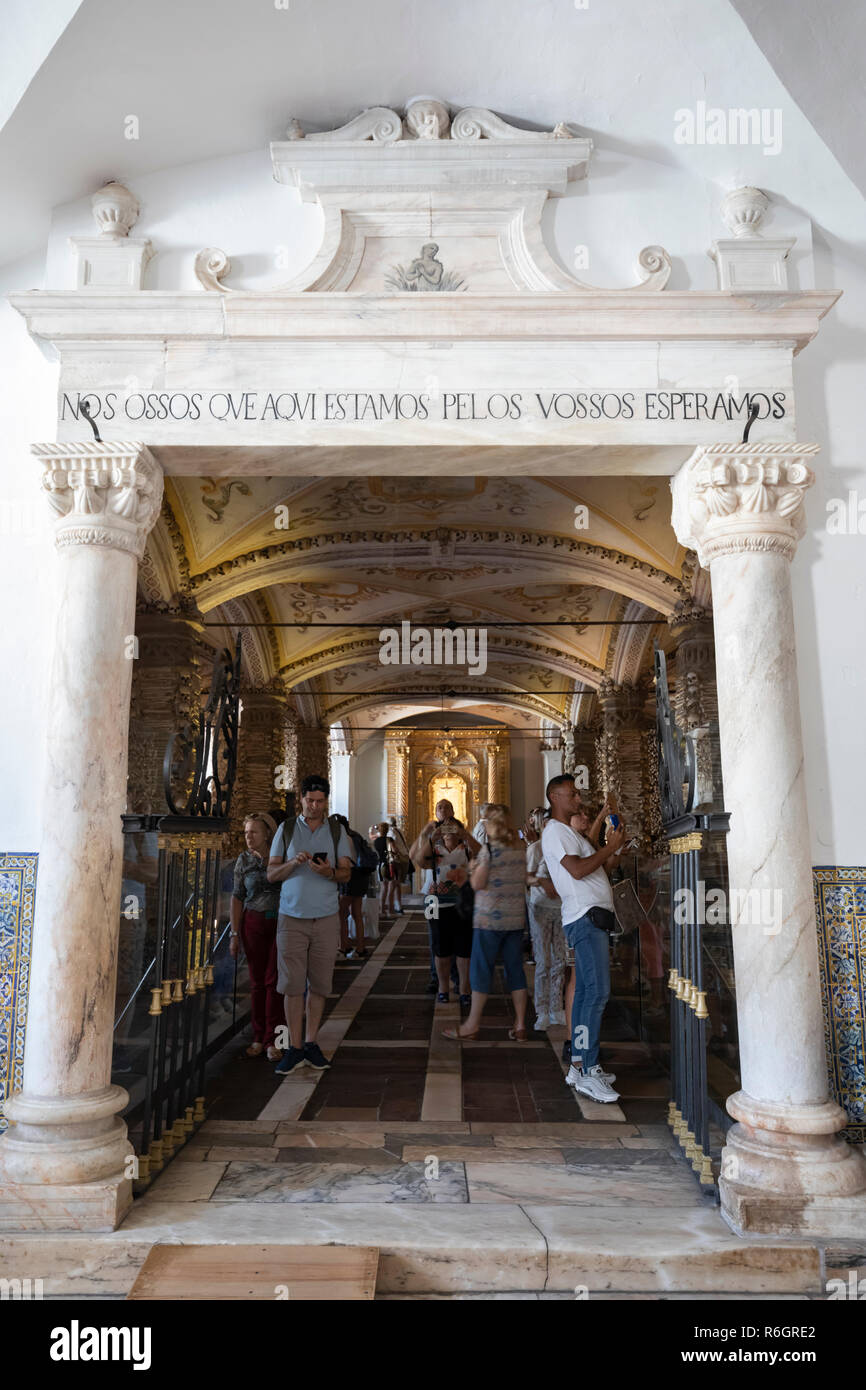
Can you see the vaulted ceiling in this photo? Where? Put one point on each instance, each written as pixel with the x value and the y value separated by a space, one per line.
pixel 563 574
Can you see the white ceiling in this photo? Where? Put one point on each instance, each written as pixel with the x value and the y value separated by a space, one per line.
pixel 208 78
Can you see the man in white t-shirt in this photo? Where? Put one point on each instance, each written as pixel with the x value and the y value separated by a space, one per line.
pixel 577 871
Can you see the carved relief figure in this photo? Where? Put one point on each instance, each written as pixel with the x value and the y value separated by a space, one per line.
pixel 426 269
pixel 425 273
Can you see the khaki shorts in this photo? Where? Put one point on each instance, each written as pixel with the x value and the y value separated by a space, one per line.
pixel 306 950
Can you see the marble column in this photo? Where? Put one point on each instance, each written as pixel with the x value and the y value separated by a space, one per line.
pixel 62 1163
pixel 785 1169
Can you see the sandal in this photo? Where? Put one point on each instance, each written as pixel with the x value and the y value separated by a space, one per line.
pixel 466 1000
pixel 255 1050
pixel 442 998
pixel 517 1034
pixel 456 1036
pixel 275 1054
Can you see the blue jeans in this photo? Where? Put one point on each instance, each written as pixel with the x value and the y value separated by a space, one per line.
pixel 591 988
pixel 487 946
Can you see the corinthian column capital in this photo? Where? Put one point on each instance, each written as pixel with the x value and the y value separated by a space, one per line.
pixel 730 498
pixel 106 494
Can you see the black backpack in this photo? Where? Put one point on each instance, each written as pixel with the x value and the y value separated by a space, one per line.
pixel 288 828
pixel 368 859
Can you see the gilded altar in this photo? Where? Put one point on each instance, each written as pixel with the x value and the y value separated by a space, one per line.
pixel 466 766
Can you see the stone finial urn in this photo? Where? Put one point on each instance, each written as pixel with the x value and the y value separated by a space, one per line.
pixel 115 210
pixel 743 211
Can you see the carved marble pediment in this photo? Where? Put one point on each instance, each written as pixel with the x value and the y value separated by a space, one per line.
pixel 426 201
pixel 421 202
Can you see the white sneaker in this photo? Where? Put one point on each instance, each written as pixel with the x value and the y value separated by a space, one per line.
pixel 602 1075
pixel 595 1089
pixel 574 1073
pixel 542 1023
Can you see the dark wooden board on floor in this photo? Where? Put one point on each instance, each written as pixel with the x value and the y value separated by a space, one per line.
pixel 344 1273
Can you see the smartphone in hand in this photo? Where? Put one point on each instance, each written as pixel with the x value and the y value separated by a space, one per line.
pixel 319 857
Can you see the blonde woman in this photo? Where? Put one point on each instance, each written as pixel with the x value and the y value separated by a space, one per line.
pixel 499 879
pixel 254 908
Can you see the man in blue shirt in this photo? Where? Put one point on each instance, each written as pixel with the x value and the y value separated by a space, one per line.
pixel 318 856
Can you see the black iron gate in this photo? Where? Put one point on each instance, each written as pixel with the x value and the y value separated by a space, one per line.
pixel 177 978
pixel 700 955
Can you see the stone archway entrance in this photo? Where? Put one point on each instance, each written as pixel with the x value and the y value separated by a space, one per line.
pixel 479 377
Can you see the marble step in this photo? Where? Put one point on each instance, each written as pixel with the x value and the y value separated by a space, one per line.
pixel 443 1249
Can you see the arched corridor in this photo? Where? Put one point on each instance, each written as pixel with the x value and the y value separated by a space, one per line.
pixel 570 619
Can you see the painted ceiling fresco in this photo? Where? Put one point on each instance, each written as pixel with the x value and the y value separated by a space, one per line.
pixel 316 568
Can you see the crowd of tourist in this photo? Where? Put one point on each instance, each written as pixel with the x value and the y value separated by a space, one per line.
pixel 314 887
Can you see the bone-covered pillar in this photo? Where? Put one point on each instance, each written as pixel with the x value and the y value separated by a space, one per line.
pixel 169 674
pixel 785 1169
pixel 313 751
pixel 260 780
pixel 63 1161
pixel 620 749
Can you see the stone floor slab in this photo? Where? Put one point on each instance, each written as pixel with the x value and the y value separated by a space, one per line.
pixel 323 1137
pixel 422 1247
pixel 530 1183
pixel 465 1154
pixel 340 1182
pixel 187 1182
pixel 554 1129
pixel 290 1099
pixel 622 1159
pixel 230 1153
pixel 666 1248
pixel 354 1157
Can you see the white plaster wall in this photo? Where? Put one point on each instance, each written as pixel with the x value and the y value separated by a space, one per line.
pixel 643 188
pixel 338 802
pixel 369 782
